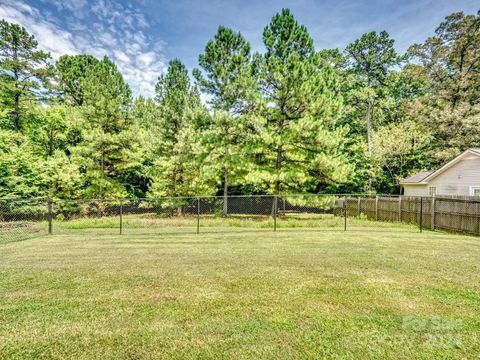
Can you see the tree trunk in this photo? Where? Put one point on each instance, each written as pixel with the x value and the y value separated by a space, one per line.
pixel 102 173
pixel 101 194
pixel 225 192
pixel 225 185
pixel 50 143
pixel 278 165
pixel 16 113
pixel 174 192
pixel 369 136
pixel 369 126
pixel 174 185
pixel 277 181
pixel 278 168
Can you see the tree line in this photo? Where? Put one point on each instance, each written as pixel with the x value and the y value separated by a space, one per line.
pixel 291 119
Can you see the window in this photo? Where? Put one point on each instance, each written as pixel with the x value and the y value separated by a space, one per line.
pixel 476 191
pixel 432 190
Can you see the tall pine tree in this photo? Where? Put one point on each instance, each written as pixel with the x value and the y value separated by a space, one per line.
pixel 175 170
pixel 229 81
pixel 299 146
pixel 72 71
pixel 109 145
pixel 372 56
pixel 24 71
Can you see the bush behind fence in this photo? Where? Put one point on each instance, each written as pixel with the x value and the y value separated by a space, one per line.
pixel 24 218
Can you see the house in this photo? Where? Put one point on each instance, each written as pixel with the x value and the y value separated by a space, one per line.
pixel 460 176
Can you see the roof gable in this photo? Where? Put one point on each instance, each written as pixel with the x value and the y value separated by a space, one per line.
pixel 472 151
pixel 425 176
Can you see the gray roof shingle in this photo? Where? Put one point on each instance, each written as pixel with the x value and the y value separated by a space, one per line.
pixel 418 177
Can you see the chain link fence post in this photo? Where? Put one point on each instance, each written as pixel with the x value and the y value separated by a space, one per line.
pixel 121 215
pixel 198 215
pixel 345 214
pixel 275 205
pixel 358 206
pixel 50 215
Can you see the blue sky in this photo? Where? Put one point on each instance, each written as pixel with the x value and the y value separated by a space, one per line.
pixel 142 35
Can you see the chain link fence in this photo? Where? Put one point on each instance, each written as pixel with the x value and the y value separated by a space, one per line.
pixel 24 218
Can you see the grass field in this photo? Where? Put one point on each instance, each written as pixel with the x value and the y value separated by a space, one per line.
pixel 153 224
pixel 250 293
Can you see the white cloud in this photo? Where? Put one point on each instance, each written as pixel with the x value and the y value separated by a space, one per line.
pixel 115 31
pixel 121 56
pixel 49 37
pixel 146 58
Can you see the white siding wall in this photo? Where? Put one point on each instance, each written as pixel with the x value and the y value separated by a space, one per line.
pixel 456 180
pixel 415 190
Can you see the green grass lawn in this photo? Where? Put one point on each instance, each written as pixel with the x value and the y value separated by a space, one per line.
pixel 244 293
pixel 154 224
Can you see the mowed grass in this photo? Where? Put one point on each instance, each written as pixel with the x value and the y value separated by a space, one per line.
pixel 292 220
pixel 245 294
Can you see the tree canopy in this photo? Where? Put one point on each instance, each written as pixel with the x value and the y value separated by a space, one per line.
pixel 288 119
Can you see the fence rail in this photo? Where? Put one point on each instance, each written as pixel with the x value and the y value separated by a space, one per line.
pixel 441 213
pixel 24 218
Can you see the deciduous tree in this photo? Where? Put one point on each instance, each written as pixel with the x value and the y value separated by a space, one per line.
pixel 449 65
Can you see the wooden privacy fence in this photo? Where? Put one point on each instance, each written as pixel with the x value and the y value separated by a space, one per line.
pixel 452 214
